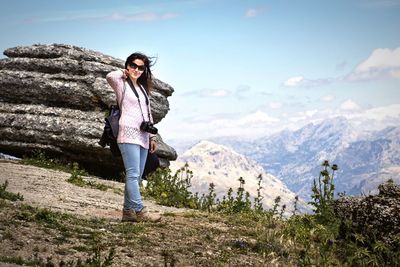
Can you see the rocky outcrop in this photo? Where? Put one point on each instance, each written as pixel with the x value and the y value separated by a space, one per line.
pixel 55 97
pixel 375 215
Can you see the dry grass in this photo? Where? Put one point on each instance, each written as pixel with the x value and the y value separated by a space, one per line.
pixel 188 239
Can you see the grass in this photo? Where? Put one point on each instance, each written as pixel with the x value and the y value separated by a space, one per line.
pixel 4 194
pixel 177 239
pixel 192 238
pixel 231 232
pixel 319 239
pixel 61 230
pixel 24 262
pixel 77 179
pixel 38 158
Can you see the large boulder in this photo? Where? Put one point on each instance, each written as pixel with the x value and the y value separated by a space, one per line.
pixel 374 215
pixel 55 97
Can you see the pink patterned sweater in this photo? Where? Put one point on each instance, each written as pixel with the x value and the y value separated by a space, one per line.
pixel 131 117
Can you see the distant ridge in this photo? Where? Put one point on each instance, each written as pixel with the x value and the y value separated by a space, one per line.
pixel 365 159
pixel 222 166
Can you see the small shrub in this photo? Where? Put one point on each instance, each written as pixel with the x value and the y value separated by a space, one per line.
pixel 295 206
pixel 76 176
pixel 171 190
pixel 77 179
pixel 40 159
pixel 323 192
pixel 208 202
pixel 258 200
pixel 240 203
pixel 277 200
pixel 96 259
pixel 4 194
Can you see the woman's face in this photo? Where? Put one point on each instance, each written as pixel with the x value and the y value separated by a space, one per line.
pixel 136 68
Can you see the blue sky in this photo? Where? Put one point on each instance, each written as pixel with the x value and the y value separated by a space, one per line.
pixel 238 67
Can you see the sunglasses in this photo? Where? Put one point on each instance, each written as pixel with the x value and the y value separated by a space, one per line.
pixel 136 66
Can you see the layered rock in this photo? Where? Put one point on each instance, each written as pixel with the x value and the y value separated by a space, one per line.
pixel 374 215
pixel 55 97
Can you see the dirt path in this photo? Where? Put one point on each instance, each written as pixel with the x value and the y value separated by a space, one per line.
pixel 49 189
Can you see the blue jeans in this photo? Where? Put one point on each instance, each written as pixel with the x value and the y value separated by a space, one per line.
pixel 134 157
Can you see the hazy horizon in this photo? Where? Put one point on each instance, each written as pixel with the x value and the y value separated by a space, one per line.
pixel 239 68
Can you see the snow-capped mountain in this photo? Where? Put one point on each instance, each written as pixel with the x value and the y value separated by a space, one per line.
pixel 364 160
pixel 367 163
pixel 220 165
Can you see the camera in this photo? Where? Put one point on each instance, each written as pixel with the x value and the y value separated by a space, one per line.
pixel 147 126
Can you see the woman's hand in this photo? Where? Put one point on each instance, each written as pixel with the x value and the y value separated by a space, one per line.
pixel 153 145
pixel 125 73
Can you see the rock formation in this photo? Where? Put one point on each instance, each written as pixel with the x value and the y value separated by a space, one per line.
pixel 55 97
pixel 374 215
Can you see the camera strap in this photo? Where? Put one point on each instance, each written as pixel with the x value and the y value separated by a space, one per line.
pixel 137 96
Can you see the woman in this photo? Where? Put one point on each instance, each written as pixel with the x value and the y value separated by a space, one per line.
pixel 132 87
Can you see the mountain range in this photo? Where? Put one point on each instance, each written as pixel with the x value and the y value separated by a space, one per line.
pixel 365 159
pixel 222 166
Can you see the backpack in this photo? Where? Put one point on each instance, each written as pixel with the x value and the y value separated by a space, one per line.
pixel 110 131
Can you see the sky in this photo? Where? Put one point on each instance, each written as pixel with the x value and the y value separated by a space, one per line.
pixel 238 67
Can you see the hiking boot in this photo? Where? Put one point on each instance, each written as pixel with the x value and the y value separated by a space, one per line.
pixel 128 215
pixel 145 216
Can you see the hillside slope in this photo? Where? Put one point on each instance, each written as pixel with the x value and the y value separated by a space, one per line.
pixel 61 222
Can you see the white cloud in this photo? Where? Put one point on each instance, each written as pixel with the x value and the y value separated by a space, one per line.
pixel 371 119
pixel 379 113
pixel 275 105
pixel 349 105
pixel 328 98
pixel 258 118
pixel 294 81
pixel 383 63
pixel 260 124
pixel 297 118
pixel 376 118
pixel 218 93
pixel 250 125
pixel 310 113
pixel 300 81
pixel 303 115
pixel 208 93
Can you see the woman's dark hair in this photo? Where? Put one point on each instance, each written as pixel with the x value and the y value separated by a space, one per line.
pixel 146 78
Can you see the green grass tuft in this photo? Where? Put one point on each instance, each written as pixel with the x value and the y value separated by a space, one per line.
pixel 4 194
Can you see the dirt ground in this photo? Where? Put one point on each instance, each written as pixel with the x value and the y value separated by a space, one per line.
pixel 44 233
pixel 48 188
